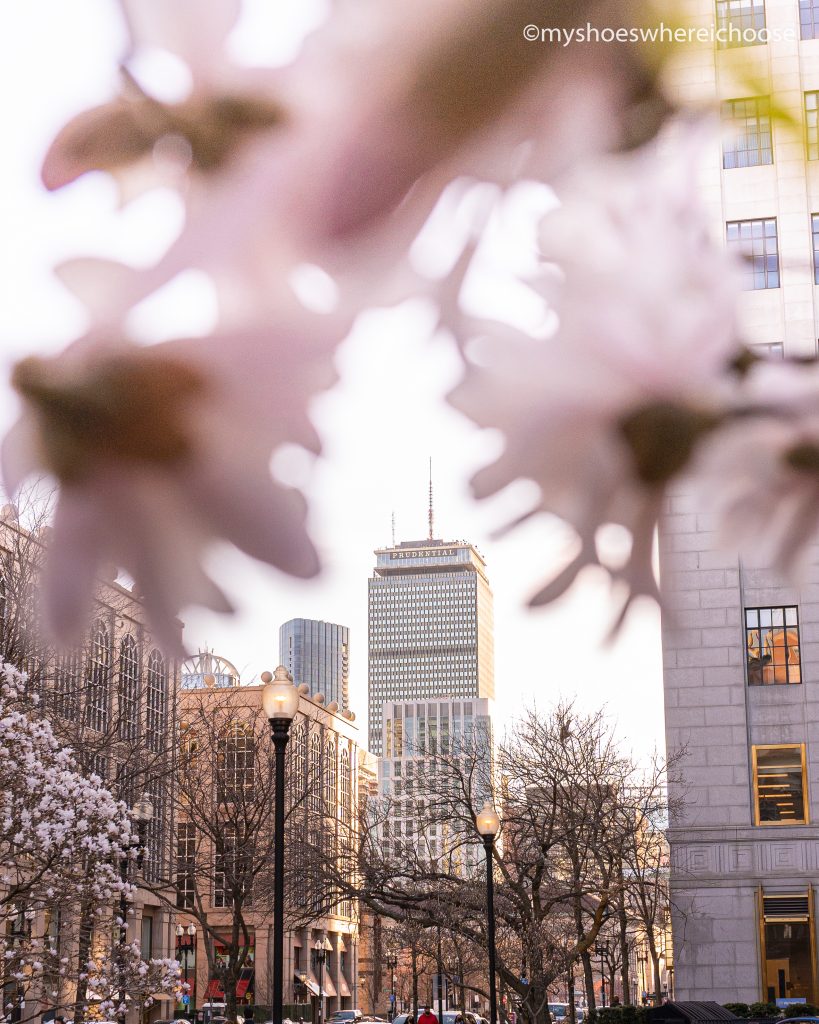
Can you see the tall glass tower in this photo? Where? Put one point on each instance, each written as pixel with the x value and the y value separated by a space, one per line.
pixel 317 653
pixel 430 627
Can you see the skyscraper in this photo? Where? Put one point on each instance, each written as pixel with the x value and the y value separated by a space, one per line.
pixel 430 626
pixel 741 662
pixel 317 653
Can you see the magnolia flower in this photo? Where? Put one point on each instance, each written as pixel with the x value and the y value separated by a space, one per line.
pixel 385 100
pixel 759 474
pixel 160 450
pixel 606 410
pixel 225 108
pixel 386 95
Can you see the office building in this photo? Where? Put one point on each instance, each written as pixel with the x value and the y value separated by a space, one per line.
pixel 430 627
pixel 414 734
pixel 741 659
pixel 335 775
pixel 318 654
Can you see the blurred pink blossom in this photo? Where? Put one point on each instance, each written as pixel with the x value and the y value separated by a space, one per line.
pixel 161 450
pixel 611 405
pixel 759 474
pixel 136 134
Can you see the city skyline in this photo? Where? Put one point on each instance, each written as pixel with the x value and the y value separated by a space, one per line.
pixel 540 655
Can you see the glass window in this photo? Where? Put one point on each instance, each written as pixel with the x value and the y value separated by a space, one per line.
pixel 812 124
pixel 787 954
pixel 739 22
pixel 779 784
pixel 185 864
pixel 747 125
pixel 772 645
pixel 128 723
pixel 756 241
pixel 97 679
pixel 809 19
pixel 769 350
pixel 147 938
pixel 815 230
pixel 235 763
pixel 156 704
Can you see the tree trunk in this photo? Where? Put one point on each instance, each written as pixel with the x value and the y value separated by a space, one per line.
pixel 535 1005
pixel 625 967
pixel 414 953
pixel 377 962
pixel 588 979
pixel 83 953
pixel 655 964
pixel 570 994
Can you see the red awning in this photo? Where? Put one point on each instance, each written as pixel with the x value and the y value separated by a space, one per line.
pixel 214 991
pixel 242 985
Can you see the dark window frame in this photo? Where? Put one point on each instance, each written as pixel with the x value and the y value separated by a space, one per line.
pixel 812 123
pixel 761 256
pixel 762 666
pixel 741 15
pixel 751 140
pixel 814 225
pixel 809 19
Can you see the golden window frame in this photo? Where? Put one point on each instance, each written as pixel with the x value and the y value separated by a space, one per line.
pixel 801 747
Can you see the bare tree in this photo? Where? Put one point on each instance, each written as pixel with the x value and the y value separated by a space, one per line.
pixel 646 878
pixel 224 798
pixel 566 824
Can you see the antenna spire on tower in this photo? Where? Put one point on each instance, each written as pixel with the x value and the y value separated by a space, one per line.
pixel 431 513
pixel 393 527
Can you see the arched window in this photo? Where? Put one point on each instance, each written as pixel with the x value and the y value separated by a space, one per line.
pixel 299 741
pixel 314 781
pixel 156 704
pixel 330 777
pixel 98 674
pixel 235 763
pixel 65 699
pixel 128 724
pixel 346 793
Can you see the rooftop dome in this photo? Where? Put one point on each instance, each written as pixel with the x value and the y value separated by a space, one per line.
pixel 206 671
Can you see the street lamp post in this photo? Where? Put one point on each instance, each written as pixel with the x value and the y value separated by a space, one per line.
pixel 322 948
pixel 280 701
pixel 391 960
pixel 190 931
pixel 142 813
pixel 488 824
pixel 600 950
pixel 641 971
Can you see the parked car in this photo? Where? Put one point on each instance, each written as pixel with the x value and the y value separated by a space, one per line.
pixel 344 1017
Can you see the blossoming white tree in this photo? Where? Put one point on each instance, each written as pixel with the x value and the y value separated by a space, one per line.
pixel 141 980
pixel 63 837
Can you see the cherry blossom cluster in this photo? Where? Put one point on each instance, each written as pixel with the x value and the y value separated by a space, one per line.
pixel 629 373
pixel 141 980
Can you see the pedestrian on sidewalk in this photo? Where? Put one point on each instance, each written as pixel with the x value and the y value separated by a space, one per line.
pixel 427 1017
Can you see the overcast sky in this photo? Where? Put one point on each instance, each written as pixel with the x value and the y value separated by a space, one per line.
pixel 379 426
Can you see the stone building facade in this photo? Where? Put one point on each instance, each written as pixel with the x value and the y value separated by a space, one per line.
pixel 740 647
pixel 112 699
pixel 324 738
